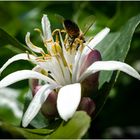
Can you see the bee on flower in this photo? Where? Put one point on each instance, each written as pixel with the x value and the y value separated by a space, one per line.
pixel 65 69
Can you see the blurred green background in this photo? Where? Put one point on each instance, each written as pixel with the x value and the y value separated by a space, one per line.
pixel 120 117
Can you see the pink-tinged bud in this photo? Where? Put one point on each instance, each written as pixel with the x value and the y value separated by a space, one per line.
pixel 36 89
pixel 34 85
pixel 87 105
pixel 90 58
pixel 49 108
pixel 90 83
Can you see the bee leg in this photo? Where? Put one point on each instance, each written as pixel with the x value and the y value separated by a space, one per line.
pixel 66 39
pixel 79 42
pixel 71 41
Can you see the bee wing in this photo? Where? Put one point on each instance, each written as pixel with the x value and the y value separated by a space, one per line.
pixel 90 20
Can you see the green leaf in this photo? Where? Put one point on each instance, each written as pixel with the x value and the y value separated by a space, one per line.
pixel 114 47
pixel 126 10
pixel 18 132
pixel 75 128
pixel 6 39
pixel 40 131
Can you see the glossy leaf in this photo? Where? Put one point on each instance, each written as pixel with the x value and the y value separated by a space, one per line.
pixel 6 39
pixel 18 132
pixel 114 47
pixel 75 128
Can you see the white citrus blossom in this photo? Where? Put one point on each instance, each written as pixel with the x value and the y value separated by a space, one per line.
pixel 61 70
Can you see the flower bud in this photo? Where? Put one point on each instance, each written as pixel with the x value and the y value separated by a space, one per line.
pixel 91 57
pixel 34 85
pixel 87 105
pixel 49 108
pixel 91 82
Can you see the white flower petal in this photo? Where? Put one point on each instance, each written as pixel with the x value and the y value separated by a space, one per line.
pixel 64 71
pixel 56 64
pixel 46 27
pixel 36 104
pixel 109 66
pixel 22 75
pixel 34 82
pixel 48 67
pixel 22 56
pixel 37 68
pixel 31 45
pixel 68 100
pixel 98 38
pixel 67 75
pixel 54 67
pixel 69 58
pixel 75 70
pixel 47 35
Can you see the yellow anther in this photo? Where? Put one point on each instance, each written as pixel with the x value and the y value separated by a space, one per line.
pixel 47 56
pixel 63 31
pixel 57 38
pixel 56 48
pixel 44 72
pixel 48 41
pixel 40 59
pixel 38 30
pixel 71 66
pixel 56 31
